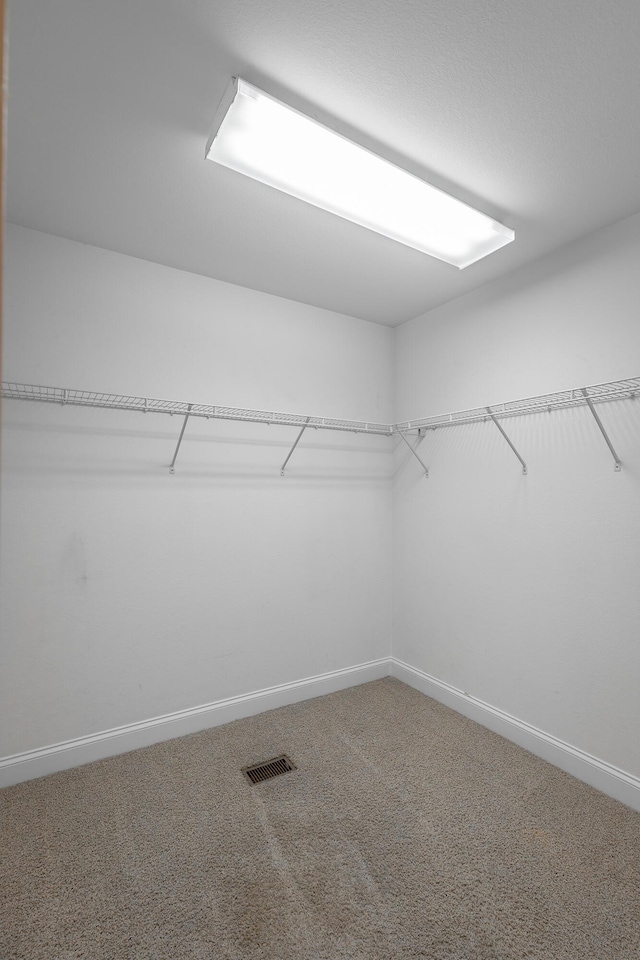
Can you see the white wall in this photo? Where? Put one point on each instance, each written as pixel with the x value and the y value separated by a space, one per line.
pixel 128 593
pixel 525 591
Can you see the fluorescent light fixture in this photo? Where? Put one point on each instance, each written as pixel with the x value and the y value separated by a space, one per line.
pixel 263 138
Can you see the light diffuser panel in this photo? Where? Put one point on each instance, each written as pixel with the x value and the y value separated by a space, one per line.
pixel 265 139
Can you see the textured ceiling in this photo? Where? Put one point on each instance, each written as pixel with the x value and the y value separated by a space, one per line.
pixel 527 110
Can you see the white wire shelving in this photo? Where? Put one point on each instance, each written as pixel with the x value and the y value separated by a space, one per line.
pixel 117 401
pixel 577 397
pixel 581 396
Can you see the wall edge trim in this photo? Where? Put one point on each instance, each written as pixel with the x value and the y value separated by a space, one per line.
pixel 56 757
pixel 611 780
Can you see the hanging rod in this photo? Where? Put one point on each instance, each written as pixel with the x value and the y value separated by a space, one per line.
pixel 578 397
pixel 115 401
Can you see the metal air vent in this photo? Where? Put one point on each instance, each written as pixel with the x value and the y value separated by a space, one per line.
pixel 268 769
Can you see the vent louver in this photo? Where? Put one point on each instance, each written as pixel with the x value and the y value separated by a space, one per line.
pixel 268 769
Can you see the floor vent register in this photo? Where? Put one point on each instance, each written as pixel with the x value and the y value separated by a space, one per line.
pixel 268 769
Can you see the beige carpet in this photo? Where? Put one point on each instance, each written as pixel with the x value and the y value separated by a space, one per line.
pixel 406 831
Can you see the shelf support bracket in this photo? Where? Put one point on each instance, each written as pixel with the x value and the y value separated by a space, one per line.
pixel 297 440
pixel 419 459
pixel 495 420
pixel 617 463
pixel 175 456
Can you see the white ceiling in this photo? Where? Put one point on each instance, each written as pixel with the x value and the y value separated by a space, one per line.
pixel 528 110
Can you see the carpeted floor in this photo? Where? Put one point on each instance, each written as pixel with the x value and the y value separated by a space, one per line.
pixel 407 831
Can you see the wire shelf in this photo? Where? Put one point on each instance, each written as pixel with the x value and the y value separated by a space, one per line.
pixel 589 396
pixel 598 393
pixel 116 401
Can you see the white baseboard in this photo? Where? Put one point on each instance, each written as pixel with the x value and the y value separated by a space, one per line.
pixel 109 743
pixel 73 753
pixel 597 773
